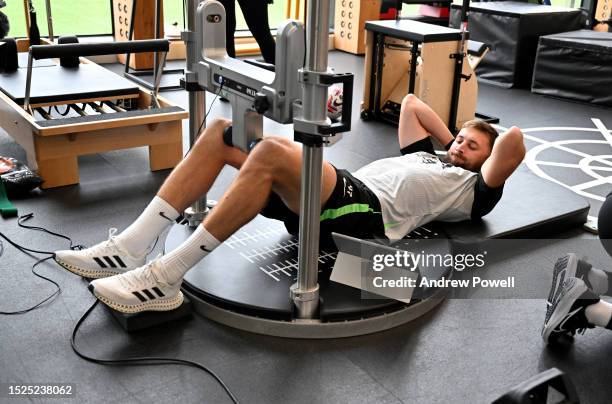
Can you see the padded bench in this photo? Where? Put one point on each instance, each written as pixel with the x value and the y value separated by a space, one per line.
pixel 575 65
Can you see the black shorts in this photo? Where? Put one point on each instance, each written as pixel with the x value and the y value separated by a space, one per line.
pixel 352 209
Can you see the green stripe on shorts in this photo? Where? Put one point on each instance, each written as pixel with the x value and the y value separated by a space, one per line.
pixel 345 210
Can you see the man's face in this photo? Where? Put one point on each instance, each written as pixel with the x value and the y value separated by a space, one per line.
pixel 470 149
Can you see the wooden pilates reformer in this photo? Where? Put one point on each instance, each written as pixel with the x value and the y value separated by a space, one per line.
pixel 57 114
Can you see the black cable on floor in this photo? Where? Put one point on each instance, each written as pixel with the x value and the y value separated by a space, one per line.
pixel 141 361
pixel 136 361
pixel 29 252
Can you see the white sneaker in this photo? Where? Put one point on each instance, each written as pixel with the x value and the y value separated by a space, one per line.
pixel 138 290
pixel 104 259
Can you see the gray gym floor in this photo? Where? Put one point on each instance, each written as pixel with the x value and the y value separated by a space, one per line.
pixel 466 351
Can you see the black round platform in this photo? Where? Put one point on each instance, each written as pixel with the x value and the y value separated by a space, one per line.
pixel 251 273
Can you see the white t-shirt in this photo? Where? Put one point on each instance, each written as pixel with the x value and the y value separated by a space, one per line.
pixel 418 188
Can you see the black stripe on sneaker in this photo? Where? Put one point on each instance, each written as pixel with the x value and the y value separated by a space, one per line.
pixel 110 262
pixel 99 261
pixel 159 292
pixel 139 296
pixel 149 294
pixel 119 261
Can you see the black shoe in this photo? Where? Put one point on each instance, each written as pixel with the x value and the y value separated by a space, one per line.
pixel 566 315
pixel 568 266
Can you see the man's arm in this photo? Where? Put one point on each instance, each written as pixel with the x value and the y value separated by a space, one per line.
pixel 418 121
pixel 508 152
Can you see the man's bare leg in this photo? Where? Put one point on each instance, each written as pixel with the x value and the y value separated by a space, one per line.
pixel 187 182
pixel 418 121
pixel 196 173
pixel 273 166
pixel 191 178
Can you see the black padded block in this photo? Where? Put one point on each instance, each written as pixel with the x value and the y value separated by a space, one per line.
pixel 575 65
pixel 57 84
pixel 8 55
pixel 69 61
pixel 531 207
pixel 146 319
pixel 512 29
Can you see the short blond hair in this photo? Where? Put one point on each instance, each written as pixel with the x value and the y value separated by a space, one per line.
pixel 483 127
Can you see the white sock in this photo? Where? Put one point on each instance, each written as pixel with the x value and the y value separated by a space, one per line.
pixel 599 313
pixel 139 236
pixel 598 280
pixel 176 263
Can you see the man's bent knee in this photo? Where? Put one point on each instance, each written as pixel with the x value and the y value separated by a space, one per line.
pixel 272 147
pixel 410 101
pixel 214 131
pixel 217 125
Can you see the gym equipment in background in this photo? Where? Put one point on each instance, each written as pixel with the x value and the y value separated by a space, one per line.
pixel 57 114
pixel 598 14
pixel 135 20
pixel 602 18
pixel 430 11
pixel 413 57
pixel 513 28
pixel 575 65
pixel 140 17
pixel 349 22
pixel 8 55
pixel 351 15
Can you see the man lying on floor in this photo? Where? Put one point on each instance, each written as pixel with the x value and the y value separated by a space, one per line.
pixel 387 198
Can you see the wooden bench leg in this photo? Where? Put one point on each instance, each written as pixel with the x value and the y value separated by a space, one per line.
pixel 165 156
pixel 59 172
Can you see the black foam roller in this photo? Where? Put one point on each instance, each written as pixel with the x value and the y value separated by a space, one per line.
pixel 8 55
pixel 69 61
pixel 94 49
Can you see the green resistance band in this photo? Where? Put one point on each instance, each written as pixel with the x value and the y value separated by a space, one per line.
pixel 6 207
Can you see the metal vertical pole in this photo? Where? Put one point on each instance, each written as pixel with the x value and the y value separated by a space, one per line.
pixel 305 292
pixel 156 30
pixel 197 105
pixel 459 56
pixel 50 20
